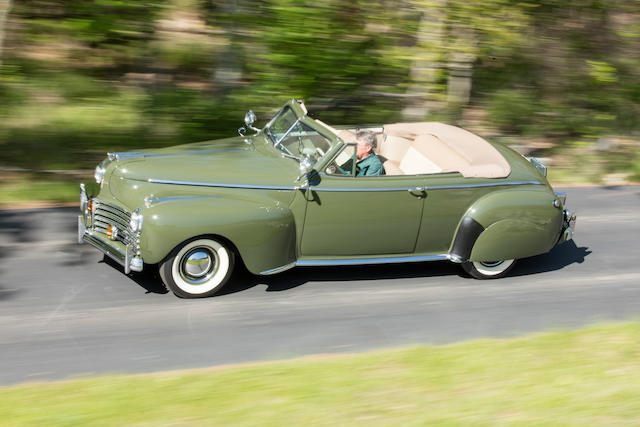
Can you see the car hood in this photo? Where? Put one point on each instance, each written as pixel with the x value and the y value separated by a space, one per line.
pixel 232 161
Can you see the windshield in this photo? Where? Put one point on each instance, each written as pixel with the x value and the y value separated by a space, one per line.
pixel 282 123
pixel 297 139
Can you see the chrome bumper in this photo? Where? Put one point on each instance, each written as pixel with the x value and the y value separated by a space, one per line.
pixel 568 225
pixel 568 218
pixel 119 252
pixel 124 258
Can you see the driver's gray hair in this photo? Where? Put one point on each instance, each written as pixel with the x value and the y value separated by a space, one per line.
pixel 368 138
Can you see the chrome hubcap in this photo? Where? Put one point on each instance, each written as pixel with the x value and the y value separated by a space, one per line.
pixel 198 265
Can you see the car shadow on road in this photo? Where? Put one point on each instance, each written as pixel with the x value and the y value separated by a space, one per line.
pixel 558 258
pixel 149 279
pixel 5 293
pixel 242 280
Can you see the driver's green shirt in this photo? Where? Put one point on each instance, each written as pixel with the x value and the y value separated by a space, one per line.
pixel 369 166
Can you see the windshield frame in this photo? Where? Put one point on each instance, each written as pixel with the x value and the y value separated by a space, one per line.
pixel 267 127
pixel 302 118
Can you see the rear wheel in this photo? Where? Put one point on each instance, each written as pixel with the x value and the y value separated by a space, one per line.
pixel 489 269
pixel 198 268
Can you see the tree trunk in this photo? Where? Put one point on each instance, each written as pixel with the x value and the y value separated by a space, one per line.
pixel 460 78
pixel 228 71
pixel 5 5
pixel 460 65
pixel 425 62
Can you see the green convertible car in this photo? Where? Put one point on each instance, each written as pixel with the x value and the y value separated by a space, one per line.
pixel 281 198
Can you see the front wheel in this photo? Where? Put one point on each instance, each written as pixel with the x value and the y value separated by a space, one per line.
pixel 488 270
pixel 198 268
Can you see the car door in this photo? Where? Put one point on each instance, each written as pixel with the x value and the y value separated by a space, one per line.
pixel 349 215
pixel 447 198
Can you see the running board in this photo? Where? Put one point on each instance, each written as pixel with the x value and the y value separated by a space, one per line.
pixel 356 261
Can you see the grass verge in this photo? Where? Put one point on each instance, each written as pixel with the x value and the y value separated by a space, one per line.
pixel 22 189
pixel 586 377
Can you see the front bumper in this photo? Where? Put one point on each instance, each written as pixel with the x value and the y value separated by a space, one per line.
pixel 568 226
pixel 125 254
pixel 568 221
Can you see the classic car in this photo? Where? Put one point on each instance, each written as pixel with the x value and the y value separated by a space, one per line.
pixel 277 199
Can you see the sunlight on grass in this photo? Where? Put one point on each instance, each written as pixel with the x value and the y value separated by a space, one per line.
pixel 18 188
pixel 588 377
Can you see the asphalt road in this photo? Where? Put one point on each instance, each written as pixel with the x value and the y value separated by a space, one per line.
pixel 65 312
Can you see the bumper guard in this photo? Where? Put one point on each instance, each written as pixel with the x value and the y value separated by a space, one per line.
pixel 119 252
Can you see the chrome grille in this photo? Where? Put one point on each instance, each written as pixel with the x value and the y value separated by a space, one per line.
pixel 107 213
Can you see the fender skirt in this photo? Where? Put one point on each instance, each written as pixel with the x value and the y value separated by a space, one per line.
pixel 466 237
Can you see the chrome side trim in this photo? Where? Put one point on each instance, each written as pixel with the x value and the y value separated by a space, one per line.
pixel 486 184
pixel 215 184
pixel 133 154
pixel 149 201
pixel 358 261
pixel 278 269
pixel 362 189
pixel 435 187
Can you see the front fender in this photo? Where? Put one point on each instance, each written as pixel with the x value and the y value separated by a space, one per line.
pixel 506 224
pixel 263 231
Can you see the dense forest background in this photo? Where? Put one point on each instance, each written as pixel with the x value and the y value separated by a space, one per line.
pixel 559 78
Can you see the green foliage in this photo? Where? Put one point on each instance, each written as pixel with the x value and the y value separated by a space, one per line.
pixel 81 77
pixel 512 110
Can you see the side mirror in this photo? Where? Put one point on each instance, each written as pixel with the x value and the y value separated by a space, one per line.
pixel 306 167
pixel 249 118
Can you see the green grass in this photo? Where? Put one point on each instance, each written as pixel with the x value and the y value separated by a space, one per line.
pixel 16 189
pixel 587 377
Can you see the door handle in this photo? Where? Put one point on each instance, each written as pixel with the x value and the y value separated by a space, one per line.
pixel 418 192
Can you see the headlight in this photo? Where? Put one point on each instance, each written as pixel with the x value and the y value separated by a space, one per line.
pixel 136 221
pixel 98 174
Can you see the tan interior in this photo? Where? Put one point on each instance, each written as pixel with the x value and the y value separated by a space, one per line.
pixel 431 147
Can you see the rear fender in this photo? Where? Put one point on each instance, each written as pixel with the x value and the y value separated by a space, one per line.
pixel 506 224
pixel 263 231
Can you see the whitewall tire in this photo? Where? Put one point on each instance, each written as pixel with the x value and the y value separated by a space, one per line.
pixel 198 268
pixel 489 270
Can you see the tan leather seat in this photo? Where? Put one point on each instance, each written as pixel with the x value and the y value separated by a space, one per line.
pixel 439 153
pixel 392 168
pixel 394 148
pixel 431 147
pixel 451 149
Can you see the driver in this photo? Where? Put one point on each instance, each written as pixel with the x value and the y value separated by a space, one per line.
pixel 368 163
